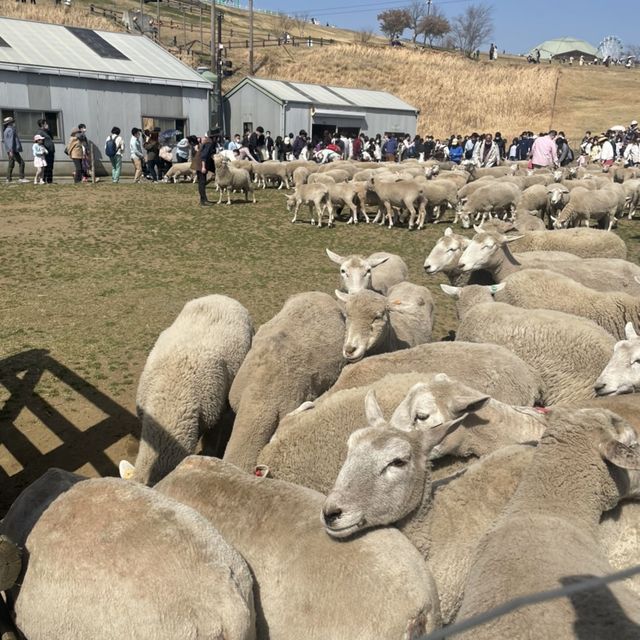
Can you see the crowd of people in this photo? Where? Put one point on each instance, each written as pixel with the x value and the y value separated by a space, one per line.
pixel 153 152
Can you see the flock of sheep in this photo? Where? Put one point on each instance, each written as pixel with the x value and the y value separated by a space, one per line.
pixel 371 483
pixel 415 192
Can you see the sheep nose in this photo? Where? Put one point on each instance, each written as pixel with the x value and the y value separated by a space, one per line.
pixel 427 267
pixel 598 386
pixel 461 265
pixel 331 514
pixel 349 349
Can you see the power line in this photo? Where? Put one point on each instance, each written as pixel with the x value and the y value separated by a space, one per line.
pixel 324 10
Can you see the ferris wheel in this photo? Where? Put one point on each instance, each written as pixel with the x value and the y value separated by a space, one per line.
pixel 611 47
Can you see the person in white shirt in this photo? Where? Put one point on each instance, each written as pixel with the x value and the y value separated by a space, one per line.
pixel 632 153
pixel 606 152
pixel 137 155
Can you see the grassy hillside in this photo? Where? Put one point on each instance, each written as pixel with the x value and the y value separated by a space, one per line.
pixel 453 94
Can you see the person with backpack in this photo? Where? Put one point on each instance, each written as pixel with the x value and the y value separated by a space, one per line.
pixel 113 149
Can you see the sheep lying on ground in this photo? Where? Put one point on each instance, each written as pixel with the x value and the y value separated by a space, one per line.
pixel 568 352
pixel 313 195
pixel 622 372
pixel 378 324
pixel 230 178
pixel 540 288
pixel 490 368
pixel 547 537
pixel 582 242
pixel 491 252
pixel 384 588
pixel 170 574
pixel 295 357
pixel 184 386
pixel 380 271
pixel 180 170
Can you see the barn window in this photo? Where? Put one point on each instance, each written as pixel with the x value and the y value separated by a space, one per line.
pixel 27 122
pixel 97 43
pixel 4 43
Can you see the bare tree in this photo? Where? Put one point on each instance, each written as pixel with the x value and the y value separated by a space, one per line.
pixel 393 22
pixel 435 25
pixel 417 10
pixel 363 37
pixel 285 24
pixel 472 27
pixel 301 20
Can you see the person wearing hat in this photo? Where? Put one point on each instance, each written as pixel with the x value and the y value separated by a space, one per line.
pixel 13 147
pixel 50 147
pixel 39 152
pixel 75 151
pixel 631 132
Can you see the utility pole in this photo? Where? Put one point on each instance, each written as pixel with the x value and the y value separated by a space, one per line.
pixel 429 6
pixel 214 48
pixel 220 74
pixel 250 37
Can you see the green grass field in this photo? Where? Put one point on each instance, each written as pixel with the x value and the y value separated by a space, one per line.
pixel 91 274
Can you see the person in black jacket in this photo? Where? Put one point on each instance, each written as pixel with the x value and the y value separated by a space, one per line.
pixel 256 140
pixel 204 163
pixel 299 143
pixel 50 147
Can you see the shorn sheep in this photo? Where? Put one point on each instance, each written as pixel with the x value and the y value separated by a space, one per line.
pixel 379 271
pixel 184 386
pixel 295 357
pixel 168 572
pixel 548 537
pixel 316 196
pixel 378 324
pixel 585 205
pixel 228 179
pixel 307 585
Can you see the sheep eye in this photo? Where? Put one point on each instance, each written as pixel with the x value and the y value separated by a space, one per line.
pixel 398 463
pixel 343 271
pixel 368 271
pixel 421 417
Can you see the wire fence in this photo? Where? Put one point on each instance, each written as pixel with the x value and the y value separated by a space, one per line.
pixel 525 601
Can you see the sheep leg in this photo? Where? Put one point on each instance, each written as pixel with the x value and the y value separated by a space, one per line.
pixel 220 191
pixel 387 205
pixel 319 210
pixel 228 195
pixel 330 213
pixel 422 214
pixel 295 212
pixel 354 212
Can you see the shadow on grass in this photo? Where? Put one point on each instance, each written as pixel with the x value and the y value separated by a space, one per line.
pixel 20 374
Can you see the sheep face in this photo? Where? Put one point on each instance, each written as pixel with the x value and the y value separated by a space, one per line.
pixel 367 323
pixel 445 254
pixel 622 373
pixel 291 203
pixel 355 271
pixel 480 253
pixel 431 404
pixel 384 476
pixel 465 219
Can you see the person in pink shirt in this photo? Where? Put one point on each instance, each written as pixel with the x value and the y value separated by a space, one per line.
pixel 544 152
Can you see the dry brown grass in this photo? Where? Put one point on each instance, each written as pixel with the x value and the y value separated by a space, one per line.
pixel 77 16
pixel 454 95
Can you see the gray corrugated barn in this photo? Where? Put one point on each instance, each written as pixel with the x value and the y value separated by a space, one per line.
pixel 286 107
pixel 70 76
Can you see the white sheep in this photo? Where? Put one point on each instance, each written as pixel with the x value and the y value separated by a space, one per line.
pixel 380 271
pixel 180 170
pixel 492 198
pixel 295 357
pixel 491 252
pixel 547 536
pixel 439 194
pixel 567 351
pixel 184 386
pixel 585 205
pixel 169 573
pixel 315 196
pixel 622 372
pixel 271 170
pixel 533 198
pixel 403 194
pixel 230 178
pixel 345 194
pixel 384 589
pixel 493 369
pixel 377 324
pixel 541 288
pixel 300 176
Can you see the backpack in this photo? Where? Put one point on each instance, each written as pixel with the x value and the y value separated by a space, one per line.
pixel 110 148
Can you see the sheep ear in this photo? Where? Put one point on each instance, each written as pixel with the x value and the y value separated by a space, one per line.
pixel 372 410
pixel 126 470
pixel 341 295
pixel 478 227
pixel 637 279
pixel 442 377
pixel 334 257
pixel 305 406
pixel 553 219
pixel 454 292
pixel 494 288
pixel 513 238
pixel 620 454
pixel 448 232
pixel 435 435
pixel 467 402
pixel 377 261
pixel 629 331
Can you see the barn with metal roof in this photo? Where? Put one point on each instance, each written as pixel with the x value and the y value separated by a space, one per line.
pixel 70 75
pixel 287 107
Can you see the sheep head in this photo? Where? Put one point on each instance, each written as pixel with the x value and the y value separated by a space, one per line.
pixel 446 252
pixel 384 476
pixel 622 373
pixel 355 271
